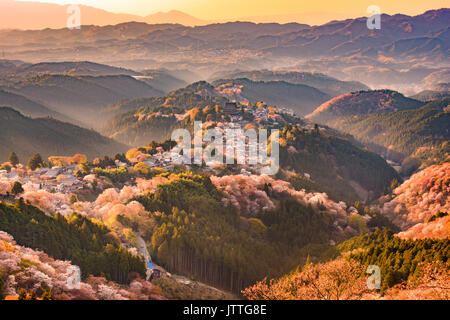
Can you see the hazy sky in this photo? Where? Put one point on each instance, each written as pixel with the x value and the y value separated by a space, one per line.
pixel 228 9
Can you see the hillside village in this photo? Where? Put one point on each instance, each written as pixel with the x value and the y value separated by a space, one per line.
pixel 66 179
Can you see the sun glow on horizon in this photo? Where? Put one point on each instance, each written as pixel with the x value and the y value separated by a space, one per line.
pixel 315 11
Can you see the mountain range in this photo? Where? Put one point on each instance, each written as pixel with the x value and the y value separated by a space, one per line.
pixel 413 133
pixel 407 49
pixel 320 81
pixel 28 107
pixel 39 15
pixel 78 97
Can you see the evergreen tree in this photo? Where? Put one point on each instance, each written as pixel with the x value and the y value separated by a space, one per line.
pixel 16 188
pixel 35 161
pixel 14 159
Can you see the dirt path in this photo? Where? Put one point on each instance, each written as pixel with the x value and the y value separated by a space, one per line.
pixel 142 248
pixel 143 251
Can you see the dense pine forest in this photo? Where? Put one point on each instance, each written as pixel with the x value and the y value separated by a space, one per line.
pixel 89 245
pixel 197 236
pixel 334 164
pixel 398 259
pixel 422 132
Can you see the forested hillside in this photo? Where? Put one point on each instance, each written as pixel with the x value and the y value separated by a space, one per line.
pixel 61 93
pixel 28 107
pixel 88 245
pixel 419 133
pixel 420 206
pixel 49 137
pixel 398 259
pixel 237 229
pixel 139 121
pixel 198 237
pixel 408 270
pixel 363 103
pixel 334 165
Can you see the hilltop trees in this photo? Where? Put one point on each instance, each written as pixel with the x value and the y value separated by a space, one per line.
pixel 32 295
pixel 35 161
pixel 48 295
pixel 13 159
pixel 121 157
pixel 142 168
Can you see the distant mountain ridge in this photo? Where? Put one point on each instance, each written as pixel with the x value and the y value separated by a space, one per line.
pixel 422 35
pixel 300 98
pixel 324 83
pixel 39 15
pixel 80 97
pixel 430 95
pixel 363 103
pixel 16 71
pixel 28 107
pixel 48 136
pixel 74 68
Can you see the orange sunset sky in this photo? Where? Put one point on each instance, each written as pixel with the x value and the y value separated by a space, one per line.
pixel 308 11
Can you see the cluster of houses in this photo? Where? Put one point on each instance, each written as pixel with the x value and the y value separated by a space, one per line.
pixel 55 179
pixel 162 159
pixel 264 115
pixel 232 91
pixel 62 179
pixel 261 115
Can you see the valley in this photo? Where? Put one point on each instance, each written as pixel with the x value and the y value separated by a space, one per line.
pixel 138 154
